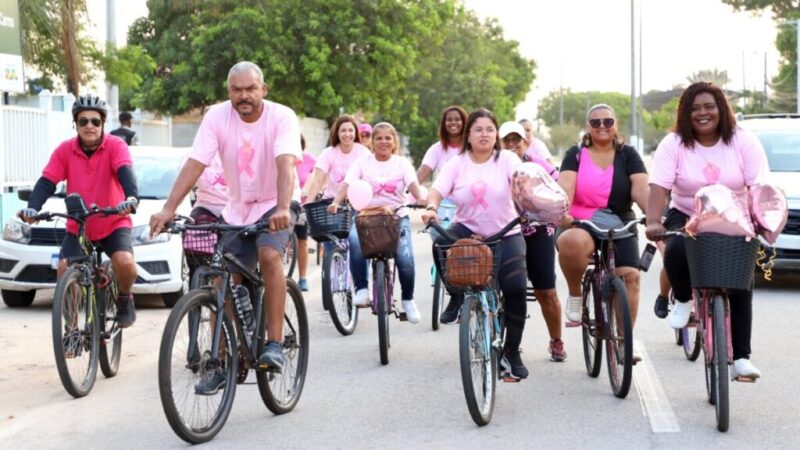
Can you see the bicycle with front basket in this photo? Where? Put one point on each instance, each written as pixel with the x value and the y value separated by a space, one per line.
pixel 481 330
pixel 606 314
pixel 205 333
pixel 85 329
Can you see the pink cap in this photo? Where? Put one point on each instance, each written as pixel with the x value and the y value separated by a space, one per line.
pixel 365 128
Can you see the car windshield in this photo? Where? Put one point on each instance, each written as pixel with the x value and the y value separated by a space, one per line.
pixel 155 176
pixel 783 149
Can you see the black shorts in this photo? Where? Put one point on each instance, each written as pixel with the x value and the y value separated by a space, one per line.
pixel 245 248
pixel 626 249
pixel 301 231
pixel 118 241
pixel 203 215
pixel 540 256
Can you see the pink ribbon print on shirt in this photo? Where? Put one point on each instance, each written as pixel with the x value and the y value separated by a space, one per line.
pixel 389 187
pixel 245 157
pixel 712 173
pixel 478 190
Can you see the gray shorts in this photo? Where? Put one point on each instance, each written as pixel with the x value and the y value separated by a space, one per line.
pixel 245 248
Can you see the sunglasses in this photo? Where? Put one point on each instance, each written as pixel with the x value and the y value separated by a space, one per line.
pixel 607 122
pixel 83 121
pixel 364 134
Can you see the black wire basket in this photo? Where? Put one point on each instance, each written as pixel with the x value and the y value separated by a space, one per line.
pixel 467 266
pixel 322 225
pixel 719 261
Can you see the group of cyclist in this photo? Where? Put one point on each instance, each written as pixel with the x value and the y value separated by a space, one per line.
pixel 247 164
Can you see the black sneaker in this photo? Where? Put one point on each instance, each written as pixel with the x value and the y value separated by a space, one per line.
pixel 272 359
pixel 450 313
pixel 511 362
pixel 211 385
pixel 126 312
pixel 661 307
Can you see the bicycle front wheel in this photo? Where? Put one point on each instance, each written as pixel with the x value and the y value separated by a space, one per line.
pixel 438 299
pixel 619 344
pixel 592 350
pixel 478 361
pixel 75 334
pixel 690 339
pixel 281 391
pixel 187 367
pixel 383 315
pixel 336 293
pixel 720 362
pixel 111 339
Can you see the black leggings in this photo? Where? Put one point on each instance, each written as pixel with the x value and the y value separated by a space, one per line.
pixel 512 280
pixel 677 268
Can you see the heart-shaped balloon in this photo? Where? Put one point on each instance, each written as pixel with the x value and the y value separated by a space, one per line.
pixel 769 209
pixel 719 210
pixel 537 196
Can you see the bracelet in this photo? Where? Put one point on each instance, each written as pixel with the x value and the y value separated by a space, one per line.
pixel 432 208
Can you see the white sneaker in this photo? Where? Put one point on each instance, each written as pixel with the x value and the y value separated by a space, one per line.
pixel 361 298
pixel 574 309
pixel 412 313
pixel 742 367
pixel 679 316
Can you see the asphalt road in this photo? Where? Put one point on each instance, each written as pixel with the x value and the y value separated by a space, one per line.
pixel 351 401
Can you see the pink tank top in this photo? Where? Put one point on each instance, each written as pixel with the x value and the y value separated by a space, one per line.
pixel 592 187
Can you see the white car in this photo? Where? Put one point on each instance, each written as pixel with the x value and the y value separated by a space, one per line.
pixel 780 136
pixel 28 254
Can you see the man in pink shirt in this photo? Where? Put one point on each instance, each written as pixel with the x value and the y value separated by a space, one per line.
pixel 98 167
pixel 258 143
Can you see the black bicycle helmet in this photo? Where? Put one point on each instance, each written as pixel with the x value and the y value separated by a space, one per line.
pixel 89 103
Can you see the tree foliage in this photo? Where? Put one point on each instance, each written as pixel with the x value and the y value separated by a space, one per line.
pixel 781 8
pixel 718 77
pixel 576 105
pixel 402 61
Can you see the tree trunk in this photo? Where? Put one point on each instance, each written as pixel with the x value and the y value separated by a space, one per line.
pixel 70 43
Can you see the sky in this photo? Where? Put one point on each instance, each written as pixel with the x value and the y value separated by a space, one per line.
pixel 585 44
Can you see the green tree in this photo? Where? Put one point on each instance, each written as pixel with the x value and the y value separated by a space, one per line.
pixel 576 104
pixel 54 40
pixel 562 137
pixel 718 77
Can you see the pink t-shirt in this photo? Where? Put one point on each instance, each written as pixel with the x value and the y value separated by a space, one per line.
pixel 481 192
pixel 212 190
pixel 538 147
pixel 95 179
pixel 305 168
pixel 684 171
pixel 389 180
pixel 335 164
pixel 437 156
pixel 248 153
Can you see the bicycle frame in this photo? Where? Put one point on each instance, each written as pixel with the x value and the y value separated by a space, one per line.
pixel 703 304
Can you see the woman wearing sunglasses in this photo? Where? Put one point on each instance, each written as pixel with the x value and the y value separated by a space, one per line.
pixel 602 177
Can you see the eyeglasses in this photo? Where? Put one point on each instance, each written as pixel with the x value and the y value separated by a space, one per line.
pixel 608 122
pixel 83 121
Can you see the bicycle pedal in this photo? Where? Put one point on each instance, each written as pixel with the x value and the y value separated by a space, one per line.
pixel 267 368
pixel 569 324
pixel 745 379
pixel 402 316
pixel 509 379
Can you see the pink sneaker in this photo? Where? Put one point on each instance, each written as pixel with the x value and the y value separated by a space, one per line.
pixel 557 352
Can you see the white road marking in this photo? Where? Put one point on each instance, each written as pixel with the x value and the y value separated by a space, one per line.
pixel 655 404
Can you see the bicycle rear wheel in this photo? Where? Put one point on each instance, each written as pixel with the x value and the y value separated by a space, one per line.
pixel 185 360
pixel 592 350
pixel 76 334
pixel 438 299
pixel 619 344
pixel 111 341
pixel 721 364
pixel 678 333
pixel 383 314
pixel 290 256
pixel 281 391
pixel 478 361
pixel 336 293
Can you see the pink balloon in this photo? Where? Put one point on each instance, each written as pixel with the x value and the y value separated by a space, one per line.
pixel 718 210
pixel 769 209
pixel 537 196
pixel 359 192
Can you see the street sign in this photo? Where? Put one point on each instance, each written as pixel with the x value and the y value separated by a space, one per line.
pixel 10 48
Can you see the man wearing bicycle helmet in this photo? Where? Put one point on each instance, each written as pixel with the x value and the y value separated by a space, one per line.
pixel 98 167
pixel 258 143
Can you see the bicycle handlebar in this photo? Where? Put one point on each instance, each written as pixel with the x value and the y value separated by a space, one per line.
pixel 175 227
pixel 93 210
pixel 497 236
pixel 628 225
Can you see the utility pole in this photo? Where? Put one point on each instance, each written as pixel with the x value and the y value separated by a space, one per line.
pixel 633 73
pixel 797 63
pixel 561 97
pixel 744 84
pixel 641 84
pixel 764 94
pixel 112 91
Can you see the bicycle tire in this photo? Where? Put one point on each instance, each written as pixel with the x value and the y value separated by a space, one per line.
pixel 708 353
pixel 382 313
pixel 176 351
pixel 438 300
pixel 678 333
pixel 592 348
pixel 339 300
pixel 110 351
pixel 690 339
pixel 281 391
pixel 722 405
pixel 619 349
pixel 290 256
pixel 82 341
pixel 478 361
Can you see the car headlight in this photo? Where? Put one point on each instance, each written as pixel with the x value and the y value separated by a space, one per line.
pixel 141 236
pixel 17 232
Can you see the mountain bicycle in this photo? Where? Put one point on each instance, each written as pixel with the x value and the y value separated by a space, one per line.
pixel 481 330
pixel 85 329
pixel 206 334
pixel 606 314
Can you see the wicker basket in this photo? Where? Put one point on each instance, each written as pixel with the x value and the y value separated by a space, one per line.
pixel 378 234
pixel 718 261
pixel 475 265
pixel 322 225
